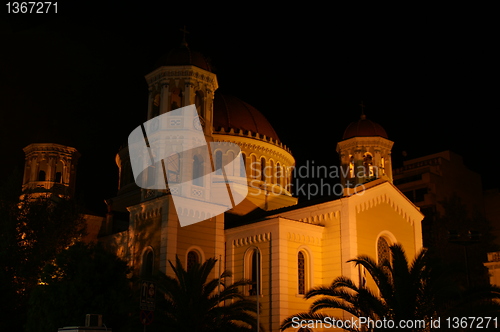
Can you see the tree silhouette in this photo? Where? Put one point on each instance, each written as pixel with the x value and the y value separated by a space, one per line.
pixel 405 291
pixel 195 303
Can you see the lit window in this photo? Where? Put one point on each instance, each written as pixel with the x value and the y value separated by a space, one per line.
pixel 253 166
pixel 301 272
pixel 351 167
pixel 368 165
pixel 278 174
pixel 243 171
pixel 263 169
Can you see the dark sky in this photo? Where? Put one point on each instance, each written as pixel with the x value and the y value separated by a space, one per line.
pixel 428 76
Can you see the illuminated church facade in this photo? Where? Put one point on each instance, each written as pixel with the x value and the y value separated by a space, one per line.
pixel 284 247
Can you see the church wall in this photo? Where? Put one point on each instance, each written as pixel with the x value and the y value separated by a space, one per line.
pixel 383 220
pixel 206 238
pixel 145 235
pixel 240 243
pixel 308 239
pixel 332 252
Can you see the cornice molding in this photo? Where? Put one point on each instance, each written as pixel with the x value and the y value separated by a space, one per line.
pixel 254 239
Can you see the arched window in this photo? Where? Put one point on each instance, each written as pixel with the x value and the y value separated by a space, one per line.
pixel 147 263
pixel 41 176
pixel 59 171
pixel 218 162
pixel 230 157
pixel 176 99
pixel 155 108
pixel 301 272
pixel 198 171
pixel 199 102
pixel 253 272
pixel 243 169
pixel 174 168
pixel 263 169
pixel 253 166
pixel 278 174
pixel 151 177
pixel 192 258
pixel 368 165
pixel 272 173
pixel 383 250
pixel 351 167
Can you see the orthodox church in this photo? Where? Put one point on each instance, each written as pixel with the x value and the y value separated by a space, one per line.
pixel 284 247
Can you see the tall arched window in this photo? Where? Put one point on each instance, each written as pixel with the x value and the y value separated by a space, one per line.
pixel 218 162
pixel 174 168
pixel 147 263
pixel 59 172
pixel 41 176
pixel 243 166
pixel 263 169
pixel 155 108
pixel 230 171
pixel 198 171
pixel 368 165
pixel 301 272
pixel 272 173
pixel 151 177
pixel 278 174
pixel 176 98
pixel 192 259
pixel 383 250
pixel 351 167
pixel 199 102
pixel 253 166
pixel 253 272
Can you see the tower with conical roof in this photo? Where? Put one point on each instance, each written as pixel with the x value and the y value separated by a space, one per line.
pixel 365 153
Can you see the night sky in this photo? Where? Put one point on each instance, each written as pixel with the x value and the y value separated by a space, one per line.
pixel 428 76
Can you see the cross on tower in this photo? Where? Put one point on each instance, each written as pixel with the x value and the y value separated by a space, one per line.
pixel 362 110
pixel 184 32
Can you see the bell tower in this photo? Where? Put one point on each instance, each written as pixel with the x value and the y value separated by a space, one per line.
pixel 50 168
pixel 365 153
pixel 182 78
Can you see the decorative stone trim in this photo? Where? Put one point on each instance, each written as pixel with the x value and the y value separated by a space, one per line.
pixel 250 134
pixel 266 237
pixel 319 219
pixel 153 213
pixel 384 199
pixel 301 238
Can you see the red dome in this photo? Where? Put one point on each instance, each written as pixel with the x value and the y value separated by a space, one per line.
pixel 363 128
pixel 231 112
pixel 184 56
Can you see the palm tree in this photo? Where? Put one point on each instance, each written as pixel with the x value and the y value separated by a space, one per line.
pixel 194 303
pixel 405 292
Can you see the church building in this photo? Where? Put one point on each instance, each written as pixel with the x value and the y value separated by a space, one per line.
pixel 285 247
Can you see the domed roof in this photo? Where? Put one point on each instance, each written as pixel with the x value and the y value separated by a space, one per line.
pixel 363 128
pixel 182 56
pixel 231 112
